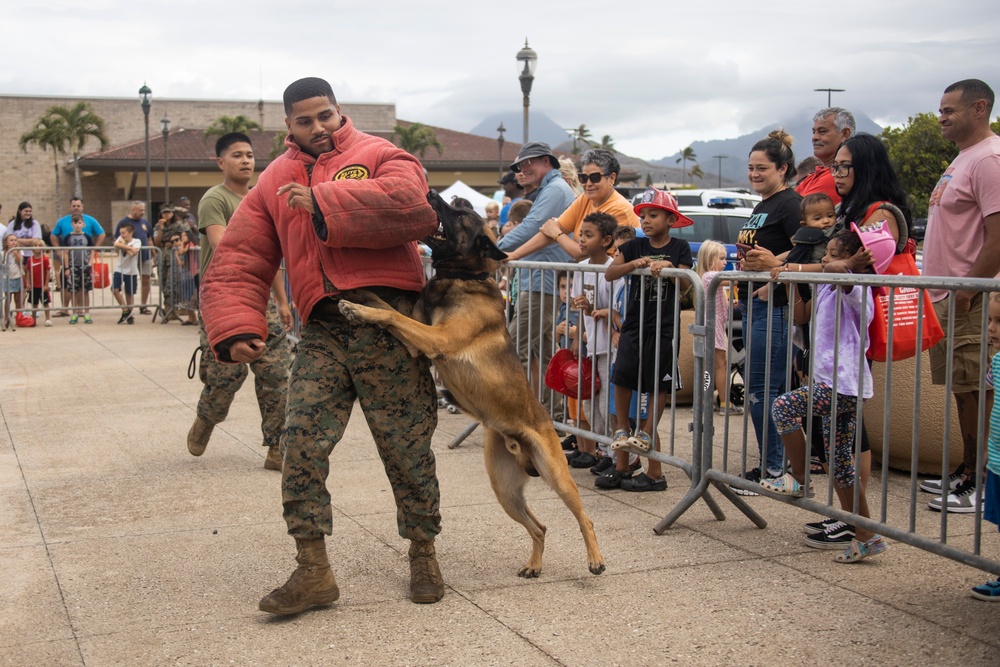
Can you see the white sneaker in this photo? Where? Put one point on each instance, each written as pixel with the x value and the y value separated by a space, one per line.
pixel 935 485
pixel 963 500
pixel 48 323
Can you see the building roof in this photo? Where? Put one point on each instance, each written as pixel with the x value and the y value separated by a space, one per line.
pixel 189 149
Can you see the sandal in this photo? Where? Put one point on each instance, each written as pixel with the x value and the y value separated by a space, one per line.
pixel 858 551
pixel 816 466
pixel 643 482
pixel 786 485
pixel 641 441
pixel 611 479
pixel 619 440
pixel 144 311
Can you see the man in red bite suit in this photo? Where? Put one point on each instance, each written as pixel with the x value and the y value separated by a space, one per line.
pixel 831 127
pixel 345 210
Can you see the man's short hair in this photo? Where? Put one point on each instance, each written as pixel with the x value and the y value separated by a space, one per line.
pixel 227 140
pixel 127 225
pixel 973 90
pixel 841 118
pixel 305 89
pixel 74 198
pixel 139 203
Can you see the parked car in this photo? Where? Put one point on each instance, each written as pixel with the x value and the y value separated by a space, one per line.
pixel 737 198
pixel 720 219
pixel 919 229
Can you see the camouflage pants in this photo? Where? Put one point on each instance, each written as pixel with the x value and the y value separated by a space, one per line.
pixel 336 363
pixel 270 372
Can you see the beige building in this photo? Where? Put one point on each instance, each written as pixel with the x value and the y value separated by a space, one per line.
pixel 112 178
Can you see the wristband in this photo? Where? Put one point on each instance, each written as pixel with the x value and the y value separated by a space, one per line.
pixel 556 237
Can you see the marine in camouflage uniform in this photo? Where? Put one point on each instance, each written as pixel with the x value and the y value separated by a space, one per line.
pixel 271 371
pixel 344 209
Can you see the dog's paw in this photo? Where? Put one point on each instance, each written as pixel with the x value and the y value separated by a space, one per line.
pixel 529 572
pixel 596 568
pixel 351 311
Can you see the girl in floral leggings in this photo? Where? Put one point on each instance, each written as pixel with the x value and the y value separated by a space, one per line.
pixel 793 406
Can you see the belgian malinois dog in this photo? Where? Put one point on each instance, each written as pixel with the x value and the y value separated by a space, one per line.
pixel 459 324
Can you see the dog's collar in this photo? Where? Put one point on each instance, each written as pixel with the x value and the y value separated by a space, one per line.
pixel 461 275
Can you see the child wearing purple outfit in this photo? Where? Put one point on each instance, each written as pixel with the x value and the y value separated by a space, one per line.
pixel 854 309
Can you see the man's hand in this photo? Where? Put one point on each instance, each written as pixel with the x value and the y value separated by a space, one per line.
pixel 299 196
pixel 760 259
pixel 245 351
pixel 963 300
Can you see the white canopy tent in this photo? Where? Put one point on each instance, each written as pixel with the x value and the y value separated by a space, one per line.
pixel 460 189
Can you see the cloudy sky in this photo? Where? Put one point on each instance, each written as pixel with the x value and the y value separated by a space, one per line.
pixel 655 75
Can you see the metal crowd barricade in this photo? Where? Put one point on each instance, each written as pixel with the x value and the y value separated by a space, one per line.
pixel 178 272
pixel 46 277
pixel 530 333
pixel 903 519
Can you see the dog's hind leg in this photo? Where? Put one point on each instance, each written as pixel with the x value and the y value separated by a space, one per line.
pixel 508 480
pixel 550 462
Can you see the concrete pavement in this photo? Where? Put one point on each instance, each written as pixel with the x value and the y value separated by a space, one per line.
pixel 119 548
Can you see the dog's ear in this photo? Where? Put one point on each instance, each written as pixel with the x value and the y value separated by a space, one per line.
pixel 488 249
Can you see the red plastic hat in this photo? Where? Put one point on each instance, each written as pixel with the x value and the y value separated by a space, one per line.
pixel 566 374
pixel 879 241
pixel 659 199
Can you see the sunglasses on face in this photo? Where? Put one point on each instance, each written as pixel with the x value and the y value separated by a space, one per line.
pixel 594 178
pixel 175 240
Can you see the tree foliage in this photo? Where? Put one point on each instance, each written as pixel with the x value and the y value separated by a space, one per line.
pixel 580 135
pixel 608 143
pixel 920 155
pixel 416 138
pixel 696 172
pixel 687 155
pixel 225 124
pixel 67 131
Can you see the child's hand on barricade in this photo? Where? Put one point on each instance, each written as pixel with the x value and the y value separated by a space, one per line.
pixel 582 303
pixel 656 267
pixel 778 270
pixel 561 328
pixel 599 314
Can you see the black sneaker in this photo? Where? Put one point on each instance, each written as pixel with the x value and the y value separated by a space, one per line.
pixel 123 319
pixel 818 526
pixel 837 536
pixel 569 442
pixel 602 465
pixel 130 320
pixel 750 476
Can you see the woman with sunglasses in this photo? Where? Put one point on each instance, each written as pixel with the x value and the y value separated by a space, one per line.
pixel 870 190
pixel 599 169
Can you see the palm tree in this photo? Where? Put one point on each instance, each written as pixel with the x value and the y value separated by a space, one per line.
pixel 69 129
pixel 608 143
pixel 687 155
pixel 226 124
pixel 416 138
pixel 47 134
pixel 581 134
pixel 696 172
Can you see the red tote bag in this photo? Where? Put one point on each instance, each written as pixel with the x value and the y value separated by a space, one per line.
pixel 905 314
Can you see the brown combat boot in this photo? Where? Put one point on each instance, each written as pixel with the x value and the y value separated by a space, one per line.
pixel 273 459
pixel 426 582
pixel 198 436
pixel 311 583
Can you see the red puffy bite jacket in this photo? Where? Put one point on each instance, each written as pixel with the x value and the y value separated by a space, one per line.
pixel 373 201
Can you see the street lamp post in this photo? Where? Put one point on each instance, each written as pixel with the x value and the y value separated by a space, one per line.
pixel 829 94
pixel 500 131
pixel 720 158
pixel 527 56
pixel 165 125
pixel 145 94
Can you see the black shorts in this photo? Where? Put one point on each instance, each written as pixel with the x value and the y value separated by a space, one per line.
pixel 129 282
pixel 40 295
pixel 79 279
pixel 626 372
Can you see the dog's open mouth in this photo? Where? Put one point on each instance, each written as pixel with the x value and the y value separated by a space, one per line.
pixel 438 238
